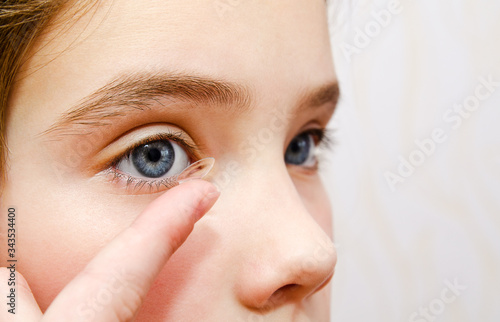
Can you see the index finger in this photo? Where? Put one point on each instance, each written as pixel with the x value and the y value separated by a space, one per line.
pixel 113 285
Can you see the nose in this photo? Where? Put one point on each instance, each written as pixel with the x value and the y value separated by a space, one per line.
pixel 288 256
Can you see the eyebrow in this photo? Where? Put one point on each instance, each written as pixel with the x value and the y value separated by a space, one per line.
pixel 328 93
pixel 138 92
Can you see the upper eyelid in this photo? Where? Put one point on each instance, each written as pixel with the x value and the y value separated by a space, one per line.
pixel 192 149
pixel 321 133
pixel 125 143
pixel 161 137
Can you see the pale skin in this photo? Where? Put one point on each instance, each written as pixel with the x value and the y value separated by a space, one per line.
pixel 92 247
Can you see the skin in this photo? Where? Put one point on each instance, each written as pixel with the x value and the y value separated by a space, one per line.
pixel 262 253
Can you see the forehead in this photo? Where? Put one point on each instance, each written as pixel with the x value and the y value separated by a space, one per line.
pixel 260 43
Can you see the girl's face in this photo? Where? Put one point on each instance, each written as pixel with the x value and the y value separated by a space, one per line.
pixel 250 83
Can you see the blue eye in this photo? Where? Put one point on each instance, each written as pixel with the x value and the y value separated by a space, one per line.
pixel 155 159
pixel 301 150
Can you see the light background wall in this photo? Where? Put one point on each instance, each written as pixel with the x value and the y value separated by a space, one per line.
pixel 399 249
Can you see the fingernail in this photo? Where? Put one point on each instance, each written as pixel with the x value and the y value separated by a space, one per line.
pixel 207 202
pixel 213 195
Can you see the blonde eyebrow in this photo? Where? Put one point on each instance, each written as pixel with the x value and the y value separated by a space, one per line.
pixel 135 92
pixel 139 91
pixel 327 93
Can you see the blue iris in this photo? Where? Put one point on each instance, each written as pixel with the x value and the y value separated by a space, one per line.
pixel 298 151
pixel 153 159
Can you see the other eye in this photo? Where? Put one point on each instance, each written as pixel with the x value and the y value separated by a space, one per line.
pixel 301 150
pixel 156 159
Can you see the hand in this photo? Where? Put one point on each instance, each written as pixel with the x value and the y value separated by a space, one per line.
pixel 123 271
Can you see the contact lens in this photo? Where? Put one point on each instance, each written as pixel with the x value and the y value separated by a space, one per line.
pixel 196 170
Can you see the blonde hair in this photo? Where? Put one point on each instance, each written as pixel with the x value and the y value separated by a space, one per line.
pixel 21 22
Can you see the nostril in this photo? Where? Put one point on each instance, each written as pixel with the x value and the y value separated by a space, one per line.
pixel 281 295
pixel 284 289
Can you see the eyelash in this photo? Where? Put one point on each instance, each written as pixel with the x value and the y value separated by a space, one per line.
pixel 326 144
pixel 322 138
pixel 138 183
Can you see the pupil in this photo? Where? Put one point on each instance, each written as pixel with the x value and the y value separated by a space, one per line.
pixel 296 146
pixel 154 159
pixel 298 150
pixel 154 155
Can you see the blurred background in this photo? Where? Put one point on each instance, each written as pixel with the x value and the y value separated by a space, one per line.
pixel 414 175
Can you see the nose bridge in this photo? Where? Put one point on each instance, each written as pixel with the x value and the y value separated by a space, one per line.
pixel 287 255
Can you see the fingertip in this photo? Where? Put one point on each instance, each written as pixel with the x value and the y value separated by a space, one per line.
pixel 198 185
pixel 203 196
pixel 210 198
pixel 189 198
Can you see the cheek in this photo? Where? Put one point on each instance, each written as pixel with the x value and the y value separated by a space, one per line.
pixel 60 229
pixel 189 276
pixel 316 201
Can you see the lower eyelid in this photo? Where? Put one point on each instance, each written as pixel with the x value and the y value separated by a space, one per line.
pixel 135 185
pixel 303 171
pixel 124 183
